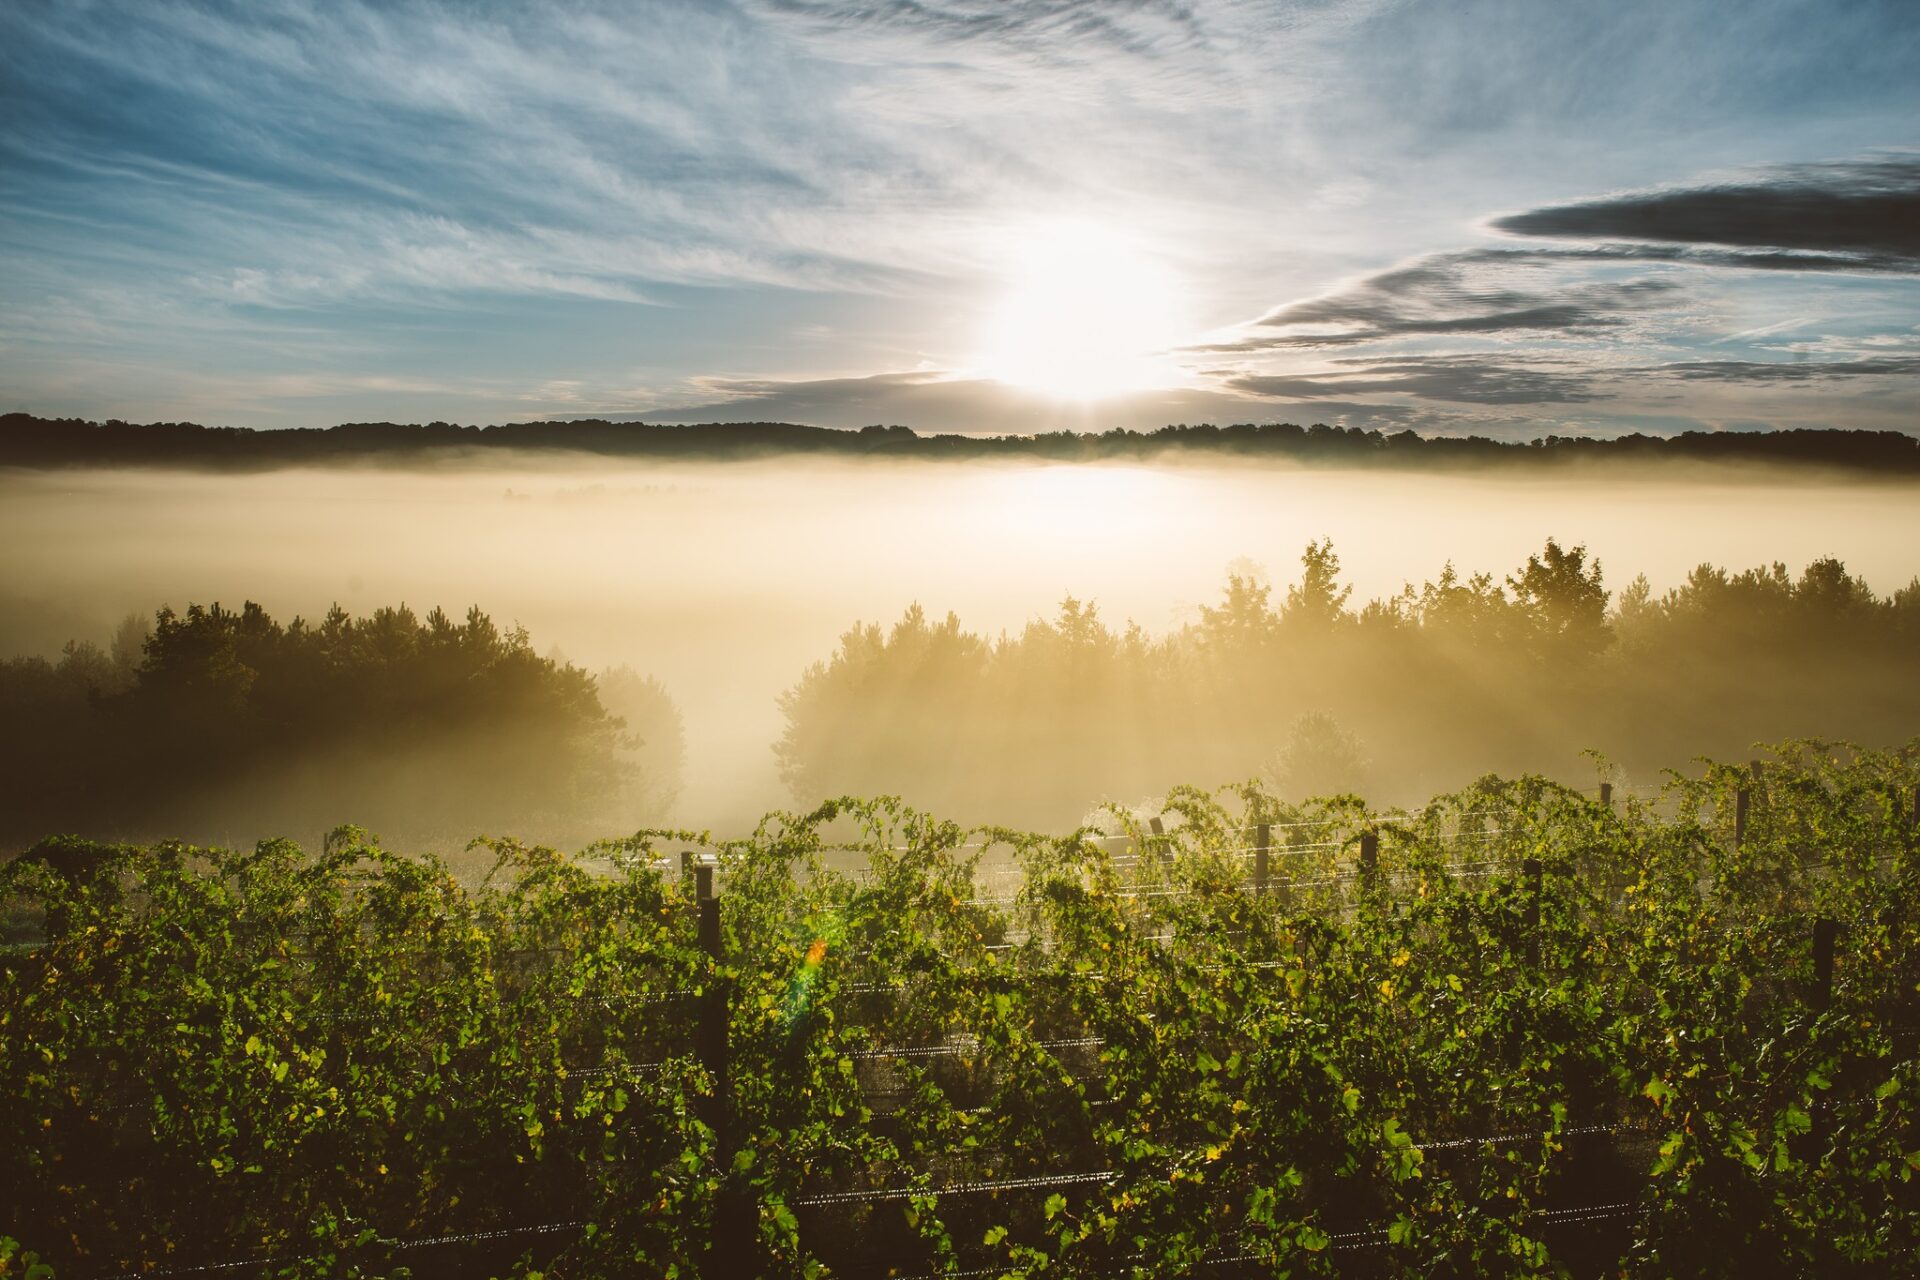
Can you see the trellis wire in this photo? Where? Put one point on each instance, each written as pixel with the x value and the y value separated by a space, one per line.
pixel 425 1242
pixel 987 1187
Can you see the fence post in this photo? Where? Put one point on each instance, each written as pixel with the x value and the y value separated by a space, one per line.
pixel 1913 813
pixel 1159 841
pixel 733 1229
pixel 1531 870
pixel 1824 930
pixel 1369 860
pixel 1606 795
pixel 1262 851
pixel 1743 801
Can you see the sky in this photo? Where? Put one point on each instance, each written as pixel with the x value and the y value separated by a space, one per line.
pixel 1503 217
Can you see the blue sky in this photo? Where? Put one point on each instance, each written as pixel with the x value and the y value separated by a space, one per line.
pixel 1507 218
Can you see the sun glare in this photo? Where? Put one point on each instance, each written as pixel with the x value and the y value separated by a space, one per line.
pixel 1088 313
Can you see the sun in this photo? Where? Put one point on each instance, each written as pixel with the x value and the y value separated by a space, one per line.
pixel 1088 313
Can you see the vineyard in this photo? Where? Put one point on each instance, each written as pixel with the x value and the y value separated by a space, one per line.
pixel 1524 1030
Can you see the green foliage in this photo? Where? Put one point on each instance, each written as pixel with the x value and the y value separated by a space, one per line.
pixel 1110 1053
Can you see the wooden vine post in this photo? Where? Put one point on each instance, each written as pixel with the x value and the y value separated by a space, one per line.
pixel 1369 862
pixel 1743 803
pixel 734 1227
pixel 1824 931
pixel 1262 859
pixel 1606 795
pixel 1531 870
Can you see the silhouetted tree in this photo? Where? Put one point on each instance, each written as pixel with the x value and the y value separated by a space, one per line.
pixel 1244 622
pixel 1319 601
pixel 1509 673
pixel 1564 602
pixel 652 753
pixel 431 730
pixel 1319 758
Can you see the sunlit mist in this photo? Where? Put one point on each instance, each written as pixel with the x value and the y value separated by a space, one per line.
pixel 712 578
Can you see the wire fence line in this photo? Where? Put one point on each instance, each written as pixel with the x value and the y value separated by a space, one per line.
pixel 1339 1241
pixel 1367 1238
pixel 992 1186
pixel 1484 868
pixel 482 1236
pixel 970 1187
pixel 1387 874
pixel 1483 827
pixel 1351 824
pixel 897 984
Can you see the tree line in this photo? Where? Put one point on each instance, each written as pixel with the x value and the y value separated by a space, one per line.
pixel 29 441
pixel 217 721
pixel 214 723
pixel 1325 695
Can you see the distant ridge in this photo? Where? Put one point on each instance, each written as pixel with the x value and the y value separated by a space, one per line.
pixel 46 443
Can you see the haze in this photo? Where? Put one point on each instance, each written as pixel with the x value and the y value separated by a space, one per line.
pixel 725 581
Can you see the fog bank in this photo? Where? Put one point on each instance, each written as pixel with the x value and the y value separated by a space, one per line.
pixel 726 580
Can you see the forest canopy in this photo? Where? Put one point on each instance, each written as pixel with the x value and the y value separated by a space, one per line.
pixel 1326 696
pixel 216 720
pixel 28 441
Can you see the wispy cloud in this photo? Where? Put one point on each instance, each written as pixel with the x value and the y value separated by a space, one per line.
pixel 599 202
pixel 1472 292
pixel 1628 321
pixel 1058 30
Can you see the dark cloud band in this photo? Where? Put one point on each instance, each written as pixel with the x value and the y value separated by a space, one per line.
pixel 1456 379
pixel 1767 371
pixel 1865 214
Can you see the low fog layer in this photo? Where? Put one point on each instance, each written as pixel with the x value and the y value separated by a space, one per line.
pixel 726 581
